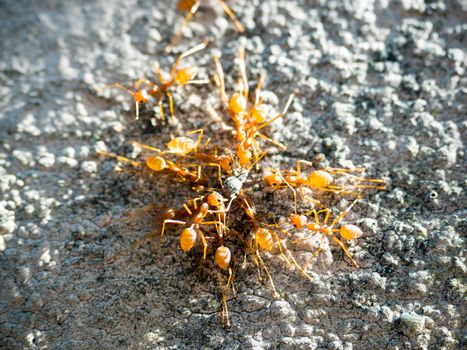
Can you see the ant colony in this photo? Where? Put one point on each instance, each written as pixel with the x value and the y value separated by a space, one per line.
pixel 220 221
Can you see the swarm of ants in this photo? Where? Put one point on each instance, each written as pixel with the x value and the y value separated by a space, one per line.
pixel 221 216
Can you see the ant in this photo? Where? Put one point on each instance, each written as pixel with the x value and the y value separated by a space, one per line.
pixel 177 77
pixel 184 146
pixel 190 234
pixel 222 258
pixel 211 204
pixel 248 118
pixel 263 237
pixel 321 179
pixel 347 232
pixel 191 7
pixel 157 164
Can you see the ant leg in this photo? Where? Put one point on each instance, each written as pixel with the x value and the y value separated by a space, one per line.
pixel 256 150
pixel 276 295
pixel 177 35
pixel 297 265
pixel 205 244
pixel 217 118
pixel 257 267
pixel 225 310
pixel 339 242
pixel 335 189
pixel 206 145
pixel 137 110
pixel 242 65
pixel 197 200
pixel 161 110
pixel 121 158
pixel 308 198
pixel 198 170
pixel 275 143
pixel 292 189
pixel 187 210
pixel 345 212
pixel 194 49
pixel 239 26
pixel 219 172
pixel 287 105
pixel 189 52
pixel 326 217
pixel 171 105
pixel 169 221
pixel 198 82
pixel 214 222
pixel 282 249
pixel 315 215
pixel 304 162
pixel 200 137
pixel 258 98
pixel 141 81
pixel 346 172
pixel 221 80
pixel 229 280
pixel 157 68
pixel 142 145
pixel 117 85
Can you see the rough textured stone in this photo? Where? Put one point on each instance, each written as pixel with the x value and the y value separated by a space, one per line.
pixel 380 84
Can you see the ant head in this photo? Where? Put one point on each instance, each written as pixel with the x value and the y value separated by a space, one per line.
pixel 273 179
pixel 141 96
pixel 299 221
pixel 215 199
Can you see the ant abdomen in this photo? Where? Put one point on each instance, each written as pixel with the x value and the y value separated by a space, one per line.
pixel 188 239
pixel 264 238
pixel 223 257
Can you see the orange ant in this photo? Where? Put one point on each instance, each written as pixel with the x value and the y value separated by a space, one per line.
pixel 157 164
pixel 347 232
pixel 222 258
pixel 177 77
pixel 191 6
pixel 249 119
pixel 211 204
pixel 183 146
pixel 264 237
pixel 321 180
pixel 189 235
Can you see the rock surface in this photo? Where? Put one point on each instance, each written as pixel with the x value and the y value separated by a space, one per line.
pixel 381 84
